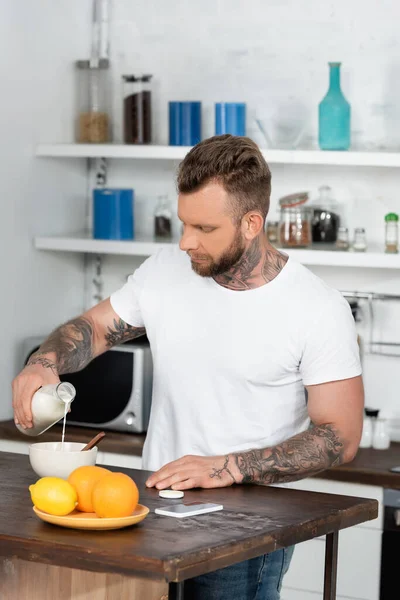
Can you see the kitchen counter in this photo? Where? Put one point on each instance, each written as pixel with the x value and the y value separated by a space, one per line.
pixel 139 561
pixel 370 467
pixel 122 443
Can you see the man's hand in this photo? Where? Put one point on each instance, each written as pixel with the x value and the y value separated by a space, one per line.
pixel 196 472
pixel 31 378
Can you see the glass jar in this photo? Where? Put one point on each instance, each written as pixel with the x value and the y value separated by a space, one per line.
pixel 392 233
pixel 137 109
pixel 360 240
pixel 93 121
pixel 342 240
pixel 295 227
pixel 273 231
pixel 162 219
pixel 326 218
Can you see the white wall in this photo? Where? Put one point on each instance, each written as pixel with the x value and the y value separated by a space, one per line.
pixel 38 41
pixel 262 53
pixel 210 50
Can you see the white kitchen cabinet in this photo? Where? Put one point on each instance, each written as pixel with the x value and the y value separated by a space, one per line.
pixel 14 446
pixel 119 460
pixel 326 486
pixel 288 594
pixel 358 555
pixel 358 565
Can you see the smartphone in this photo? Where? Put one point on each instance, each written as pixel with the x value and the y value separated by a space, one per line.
pixel 395 469
pixel 189 509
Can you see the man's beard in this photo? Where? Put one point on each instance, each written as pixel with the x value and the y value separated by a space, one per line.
pixel 229 258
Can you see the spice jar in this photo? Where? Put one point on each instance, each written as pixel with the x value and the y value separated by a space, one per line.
pixel 360 240
pixel 342 241
pixel 137 109
pixel 295 221
pixel 163 219
pixel 93 123
pixel 272 231
pixel 392 233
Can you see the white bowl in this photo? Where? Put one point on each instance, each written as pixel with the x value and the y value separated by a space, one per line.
pixel 48 460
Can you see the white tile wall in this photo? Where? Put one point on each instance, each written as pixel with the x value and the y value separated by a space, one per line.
pixel 262 53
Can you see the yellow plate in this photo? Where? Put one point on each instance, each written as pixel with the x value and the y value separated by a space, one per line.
pixel 81 520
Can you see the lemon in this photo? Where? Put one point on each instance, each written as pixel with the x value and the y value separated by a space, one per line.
pixel 54 495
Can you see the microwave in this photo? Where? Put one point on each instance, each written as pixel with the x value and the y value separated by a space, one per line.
pixel 114 390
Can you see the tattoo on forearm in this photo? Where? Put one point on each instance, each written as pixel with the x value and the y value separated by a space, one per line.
pixel 219 472
pixel 72 345
pixel 44 362
pixel 122 332
pixel 302 455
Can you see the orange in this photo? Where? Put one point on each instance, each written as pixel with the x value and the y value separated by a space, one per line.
pixel 115 495
pixel 83 479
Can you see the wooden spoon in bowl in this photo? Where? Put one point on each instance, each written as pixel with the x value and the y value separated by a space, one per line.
pixel 94 441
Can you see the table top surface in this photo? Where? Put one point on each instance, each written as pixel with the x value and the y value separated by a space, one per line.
pixel 255 520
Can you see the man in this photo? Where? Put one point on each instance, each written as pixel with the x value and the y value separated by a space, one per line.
pixel 237 331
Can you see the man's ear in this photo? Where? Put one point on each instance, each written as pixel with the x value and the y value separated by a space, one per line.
pixel 252 225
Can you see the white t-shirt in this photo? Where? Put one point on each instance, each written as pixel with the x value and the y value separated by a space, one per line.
pixel 230 366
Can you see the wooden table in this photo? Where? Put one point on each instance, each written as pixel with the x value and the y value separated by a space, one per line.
pixel 151 561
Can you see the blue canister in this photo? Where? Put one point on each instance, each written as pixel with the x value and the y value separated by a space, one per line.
pixel 230 117
pixel 184 123
pixel 113 217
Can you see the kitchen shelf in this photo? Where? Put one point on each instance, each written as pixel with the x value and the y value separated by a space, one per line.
pixel 146 247
pixel 295 157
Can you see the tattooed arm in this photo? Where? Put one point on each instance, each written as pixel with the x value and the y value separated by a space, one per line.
pixel 73 345
pixel 336 411
pixel 67 350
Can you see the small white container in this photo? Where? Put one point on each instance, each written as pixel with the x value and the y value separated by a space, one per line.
pixel 360 240
pixel 381 435
pixel 49 460
pixel 367 433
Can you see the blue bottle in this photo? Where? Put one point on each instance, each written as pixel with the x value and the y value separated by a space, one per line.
pixel 334 115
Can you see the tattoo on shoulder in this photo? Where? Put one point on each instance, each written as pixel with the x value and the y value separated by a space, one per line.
pixel 122 332
pixel 304 454
pixel 44 362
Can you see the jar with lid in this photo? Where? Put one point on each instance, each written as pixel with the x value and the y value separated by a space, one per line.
pixel 137 109
pixel 163 219
pixel 93 121
pixel 273 231
pixel 49 404
pixel 392 233
pixel 342 241
pixel 326 218
pixel 295 221
pixel 360 240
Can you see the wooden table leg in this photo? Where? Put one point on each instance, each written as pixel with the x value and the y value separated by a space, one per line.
pixel 176 591
pixel 331 556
